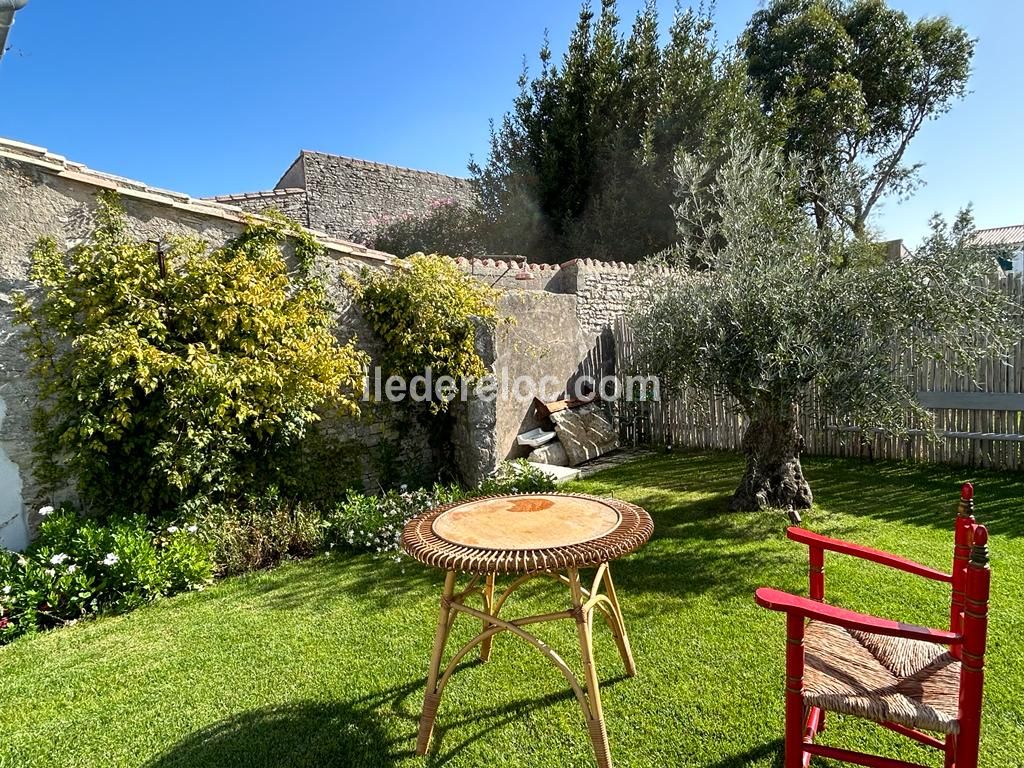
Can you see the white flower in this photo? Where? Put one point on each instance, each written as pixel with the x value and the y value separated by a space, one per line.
pixel 58 559
pixel 72 568
pixel 50 572
pixel 44 511
pixel 192 528
pixel 172 529
pixel 22 562
pixel 110 559
pixel 403 488
pixel 7 589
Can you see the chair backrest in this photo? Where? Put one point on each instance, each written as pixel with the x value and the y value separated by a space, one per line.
pixel 974 628
pixel 961 556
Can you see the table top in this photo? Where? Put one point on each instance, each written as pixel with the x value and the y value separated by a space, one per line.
pixel 526 532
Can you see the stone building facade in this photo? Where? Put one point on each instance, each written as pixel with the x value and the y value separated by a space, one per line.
pixel 350 198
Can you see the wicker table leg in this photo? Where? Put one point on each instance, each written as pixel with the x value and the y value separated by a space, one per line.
pixel 619 631
pixel 595 716
pixel 485 646
pixel 433 696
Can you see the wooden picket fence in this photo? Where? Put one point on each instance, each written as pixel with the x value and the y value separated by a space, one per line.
pixel 979 421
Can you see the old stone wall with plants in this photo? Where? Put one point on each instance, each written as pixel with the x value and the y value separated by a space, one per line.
pixel 155 435
pixel 44 195
pixel 191 381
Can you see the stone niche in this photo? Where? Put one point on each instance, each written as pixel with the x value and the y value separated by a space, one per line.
pixel 542 339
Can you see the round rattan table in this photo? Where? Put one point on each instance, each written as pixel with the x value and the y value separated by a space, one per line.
pixel 552 535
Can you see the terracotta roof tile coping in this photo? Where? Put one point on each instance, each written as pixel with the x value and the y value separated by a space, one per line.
pixel 510 263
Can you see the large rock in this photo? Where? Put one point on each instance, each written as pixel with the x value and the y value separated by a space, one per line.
pixel 550 453
pixel 585 433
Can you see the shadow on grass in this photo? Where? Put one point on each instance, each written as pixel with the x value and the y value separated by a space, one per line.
pixel 904 492
pixel 374 579
pixel 918 494
pixel 485 720
pixel 773 750
pixel 313 733
pixel 345 734
pixel 700 547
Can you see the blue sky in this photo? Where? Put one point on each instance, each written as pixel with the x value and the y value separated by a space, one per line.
pixel 218 97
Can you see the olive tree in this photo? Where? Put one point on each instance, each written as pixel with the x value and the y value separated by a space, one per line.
pixel 759 304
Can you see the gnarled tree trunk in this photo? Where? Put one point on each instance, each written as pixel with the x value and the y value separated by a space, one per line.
pixel 774 477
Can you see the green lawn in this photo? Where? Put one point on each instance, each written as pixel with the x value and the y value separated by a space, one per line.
pixel 322 663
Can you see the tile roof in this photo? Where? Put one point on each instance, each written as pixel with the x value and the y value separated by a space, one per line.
pixel 1012 235
pixel 60 166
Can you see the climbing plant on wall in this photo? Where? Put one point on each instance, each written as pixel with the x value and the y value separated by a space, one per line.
pixel 169 379
pixel 425 314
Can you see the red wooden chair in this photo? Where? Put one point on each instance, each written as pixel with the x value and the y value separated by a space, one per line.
pixel 908 678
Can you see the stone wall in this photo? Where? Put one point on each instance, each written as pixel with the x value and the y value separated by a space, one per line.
pixel 43 194
pixel 601 289
pixel 543 339
pixel 563 317
pixel 513 273
pixel 350 198
pixel 562 314
pixel 353 198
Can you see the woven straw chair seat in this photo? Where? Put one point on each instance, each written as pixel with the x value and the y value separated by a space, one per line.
pixel 526 533
pixel 881 678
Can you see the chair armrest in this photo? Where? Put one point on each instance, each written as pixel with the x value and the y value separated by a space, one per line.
pixel 776 600
pixel 804 536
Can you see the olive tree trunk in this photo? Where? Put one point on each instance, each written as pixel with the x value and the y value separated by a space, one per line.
pixel 773 477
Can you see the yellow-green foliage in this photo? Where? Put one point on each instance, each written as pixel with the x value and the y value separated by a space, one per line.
pixel 164 389
pixel 425 314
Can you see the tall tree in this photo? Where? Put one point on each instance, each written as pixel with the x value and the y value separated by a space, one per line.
pixel 581 166
pixel 775 310
pixel 848 85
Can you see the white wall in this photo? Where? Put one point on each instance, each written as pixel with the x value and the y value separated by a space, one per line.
pixel 13 529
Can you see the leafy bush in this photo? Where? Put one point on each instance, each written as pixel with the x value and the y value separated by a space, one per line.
pixel 176 375
pixel 77 567
pixel 425 315
pixel 449 228
pixel 518 476
pixel 375 523
pixel 260 530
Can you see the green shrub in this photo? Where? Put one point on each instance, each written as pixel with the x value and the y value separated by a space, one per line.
pixel 321 469
pixel 176 375
pixel 78 567
pixel 517 476
pixel 375 523
pixel 425 315
pixel 260 530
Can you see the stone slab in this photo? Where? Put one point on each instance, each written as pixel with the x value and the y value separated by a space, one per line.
pixel 561 474
pixel 585 433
